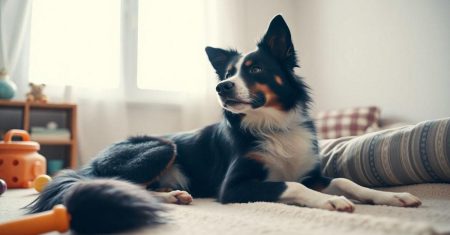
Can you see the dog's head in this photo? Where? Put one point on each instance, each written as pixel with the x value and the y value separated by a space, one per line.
pixel 261 80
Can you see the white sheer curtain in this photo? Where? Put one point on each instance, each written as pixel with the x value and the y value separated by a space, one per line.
pixel 14 22
pixel 75 48
pixel 102 119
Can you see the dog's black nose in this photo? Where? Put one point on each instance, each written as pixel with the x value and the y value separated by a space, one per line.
pixel 225 88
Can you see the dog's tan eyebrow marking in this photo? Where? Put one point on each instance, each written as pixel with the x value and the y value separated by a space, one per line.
pixel 248 63
pixel 278 80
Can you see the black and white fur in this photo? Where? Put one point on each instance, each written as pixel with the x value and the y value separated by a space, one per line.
pixel 265 148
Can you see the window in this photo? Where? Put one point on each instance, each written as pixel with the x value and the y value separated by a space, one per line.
pixel 75 42
pixel 171 41
pixel 158 45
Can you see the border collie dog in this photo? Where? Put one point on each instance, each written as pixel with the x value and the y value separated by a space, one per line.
pixel 264 149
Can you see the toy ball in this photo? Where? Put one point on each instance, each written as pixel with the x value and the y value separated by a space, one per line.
pixel 3 186
pixel 41 182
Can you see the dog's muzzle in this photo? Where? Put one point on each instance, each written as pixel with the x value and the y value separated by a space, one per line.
pixel 228 92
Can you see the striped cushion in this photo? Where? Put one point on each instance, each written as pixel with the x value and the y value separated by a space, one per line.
pixel 406 155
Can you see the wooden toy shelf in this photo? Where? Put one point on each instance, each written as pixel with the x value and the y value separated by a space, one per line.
pixel 24 115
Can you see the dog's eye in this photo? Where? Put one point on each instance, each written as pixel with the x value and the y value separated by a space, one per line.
pixel 255 69
pixel 228 75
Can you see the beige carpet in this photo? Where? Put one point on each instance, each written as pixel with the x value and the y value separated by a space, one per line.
pixel 205 216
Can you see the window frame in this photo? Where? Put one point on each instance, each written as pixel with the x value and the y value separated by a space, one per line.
pixel 129 40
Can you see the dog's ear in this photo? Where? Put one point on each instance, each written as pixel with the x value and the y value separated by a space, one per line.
pixel 278 42
pixel 220 59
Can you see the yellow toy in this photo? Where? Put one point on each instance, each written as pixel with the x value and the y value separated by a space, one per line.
pixel 41 182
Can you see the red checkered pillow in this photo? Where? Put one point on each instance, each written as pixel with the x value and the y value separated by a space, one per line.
pixel 347 122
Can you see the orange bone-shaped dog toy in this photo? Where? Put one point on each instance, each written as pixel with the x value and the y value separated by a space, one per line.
pixel 54 220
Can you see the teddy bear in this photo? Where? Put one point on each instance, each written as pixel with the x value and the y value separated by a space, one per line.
pixel 36 93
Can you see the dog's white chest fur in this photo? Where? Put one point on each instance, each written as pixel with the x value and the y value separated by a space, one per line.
pixel 287 155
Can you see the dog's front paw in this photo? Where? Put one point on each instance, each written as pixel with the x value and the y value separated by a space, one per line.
pixel 337 203
pixel 398 199
pixel 180 197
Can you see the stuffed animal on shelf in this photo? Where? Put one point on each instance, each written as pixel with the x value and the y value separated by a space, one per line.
pixel 36 93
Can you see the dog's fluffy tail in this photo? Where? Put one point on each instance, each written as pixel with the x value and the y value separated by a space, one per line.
pixel 54 193
pixel 106 206
pixel 99 205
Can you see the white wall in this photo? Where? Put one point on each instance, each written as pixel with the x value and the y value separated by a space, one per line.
pixel 391 53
